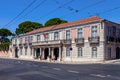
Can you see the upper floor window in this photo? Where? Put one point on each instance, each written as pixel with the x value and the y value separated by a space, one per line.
pixel 119 32
pixel 112 31
pixel 94 31
pixel 94 52
pixel 56 35
pixel 20 40
pixel 79 33
pixel 15 41
pixel 67 34
pixel 38 38
pixel 46 37
pixel 26 39
pixel 31 38
pixel 109 31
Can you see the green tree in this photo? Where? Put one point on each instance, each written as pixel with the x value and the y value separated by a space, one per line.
pixel 27 26
pixel 54 21
pixel 4 33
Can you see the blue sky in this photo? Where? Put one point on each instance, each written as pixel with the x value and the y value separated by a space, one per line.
pixel 69 10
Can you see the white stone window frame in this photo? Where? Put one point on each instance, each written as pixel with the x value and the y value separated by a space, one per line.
pixel 94 52
pixel 68 55
pixel 68 34
pixel 94 31
pixel 79 33
pixel 80 52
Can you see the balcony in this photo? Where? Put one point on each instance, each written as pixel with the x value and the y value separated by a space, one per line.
pixel 79 40
pixel 118 41
pixel 47 42
pixel 110 39
pixel 25 44
pixel 94 39
pixel 66 41
pixel 20 45
pixel 14 45
pixel 30 44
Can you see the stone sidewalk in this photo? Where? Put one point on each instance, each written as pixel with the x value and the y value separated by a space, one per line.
pixel 67 62
pixel 57 62
pixel 112 61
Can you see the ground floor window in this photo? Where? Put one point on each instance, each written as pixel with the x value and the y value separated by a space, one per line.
pixel 109 52
pixel 67 52
pixel 25 51
pixel 80 54
pixel 94 52
pixel 20 51
pixel 30 51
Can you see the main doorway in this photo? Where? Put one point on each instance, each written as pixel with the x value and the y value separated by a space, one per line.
pixel 56 53
pixel 37 53
pixel 117 53
pixel 16 52
pixel 46 53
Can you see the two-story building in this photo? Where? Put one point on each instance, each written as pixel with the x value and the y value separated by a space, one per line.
pixel 90 39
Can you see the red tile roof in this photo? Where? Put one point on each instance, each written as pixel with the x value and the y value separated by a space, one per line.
pixel 64 25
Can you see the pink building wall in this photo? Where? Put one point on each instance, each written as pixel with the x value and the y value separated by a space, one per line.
pixel 73 33
pixel 86 32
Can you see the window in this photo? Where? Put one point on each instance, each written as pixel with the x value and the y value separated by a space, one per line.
pixel 38 38
pixel 15 41
pixel 94 31
pixel 67 52
pixel 31 39
pixel 80 52
pixel 110 29
pixel 20 51
pixel 109 52
pixel 20 40
pixel 47 37
pixel 94 52
pixel 25 51
pixel 79 33
pixel 30 51
pixel 55 35
pixel 67 34
pixel 26 39
pixel 119 33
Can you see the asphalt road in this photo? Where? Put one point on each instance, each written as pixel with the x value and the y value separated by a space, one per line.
pixel 28 70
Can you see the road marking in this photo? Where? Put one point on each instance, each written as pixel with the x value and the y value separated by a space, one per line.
pixel 73 71
pixel 98 75
pixel 108 75
pixel 57 69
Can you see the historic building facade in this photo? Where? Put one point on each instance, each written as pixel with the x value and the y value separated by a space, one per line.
pixel 90 39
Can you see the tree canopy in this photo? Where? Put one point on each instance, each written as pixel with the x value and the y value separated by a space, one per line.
pixel 4 33
pixel 54 21
pixel 27 26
